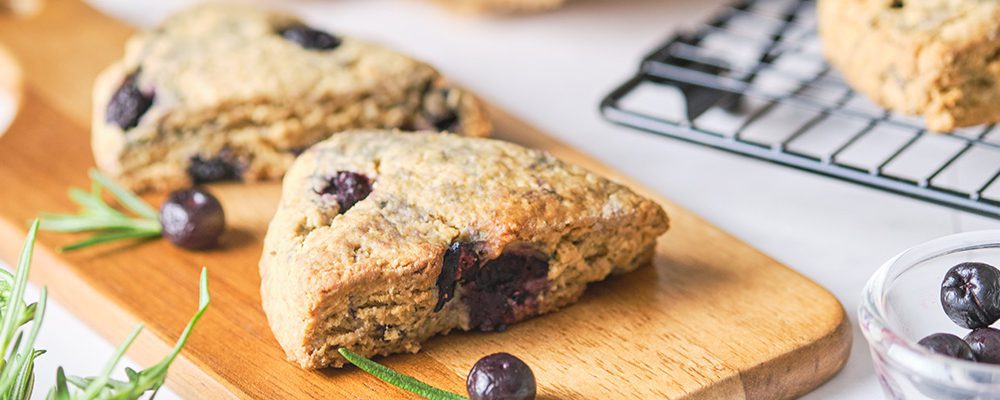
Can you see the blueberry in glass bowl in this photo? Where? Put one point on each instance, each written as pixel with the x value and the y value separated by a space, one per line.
pixel 911 297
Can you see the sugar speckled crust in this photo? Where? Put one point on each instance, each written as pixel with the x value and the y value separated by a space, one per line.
pixel 224 81
pixel 937 58
pixel 366 278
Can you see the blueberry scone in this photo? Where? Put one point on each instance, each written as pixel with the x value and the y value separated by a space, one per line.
pixel 222 92
pixel 384 239
pixel 937 58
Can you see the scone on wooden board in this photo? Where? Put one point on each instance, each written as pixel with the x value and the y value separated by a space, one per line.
pixel 223 92
pixel 384 239
pixel 936 58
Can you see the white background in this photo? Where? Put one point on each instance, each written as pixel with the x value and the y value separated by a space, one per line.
pixel 552 70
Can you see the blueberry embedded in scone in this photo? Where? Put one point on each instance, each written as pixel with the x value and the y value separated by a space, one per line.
pixel 384 239
pixel 226 92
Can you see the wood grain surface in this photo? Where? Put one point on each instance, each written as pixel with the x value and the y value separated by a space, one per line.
pixel 712 317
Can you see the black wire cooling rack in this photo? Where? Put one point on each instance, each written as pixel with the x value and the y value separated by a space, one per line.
pixel 753 81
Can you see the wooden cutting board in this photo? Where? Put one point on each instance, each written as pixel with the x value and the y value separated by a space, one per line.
pixel 711 318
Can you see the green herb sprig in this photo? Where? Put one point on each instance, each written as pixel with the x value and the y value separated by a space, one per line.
pixel 398 379
pixel 17 345
pixel 17 376
pixel 149 380
pixel 98 216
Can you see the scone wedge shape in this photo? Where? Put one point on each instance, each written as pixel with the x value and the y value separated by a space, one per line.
pixel 384 239
pixel 229 92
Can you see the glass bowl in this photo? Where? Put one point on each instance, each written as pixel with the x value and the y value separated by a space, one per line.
pixel 901 305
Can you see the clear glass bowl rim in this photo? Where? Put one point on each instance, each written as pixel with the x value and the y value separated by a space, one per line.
pixel 875 327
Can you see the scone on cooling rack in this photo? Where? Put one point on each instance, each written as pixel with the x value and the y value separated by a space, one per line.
pixel 222 92
pixel 936 58
pixel 384 239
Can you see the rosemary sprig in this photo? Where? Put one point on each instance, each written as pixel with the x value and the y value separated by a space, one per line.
pixel 149 380
pixel 398 379
pixel 17 368
pixel 96 215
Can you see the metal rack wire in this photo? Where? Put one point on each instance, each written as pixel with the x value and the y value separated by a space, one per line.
pixel 753 81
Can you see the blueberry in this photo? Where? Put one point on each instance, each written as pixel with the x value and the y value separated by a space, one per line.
pixel 458 260
pixel 985 344
pixel 222 167
pixel 347 189
pixel 970 294
pixel 310 38
pixel 949 345
pixel 498 291
pixel 501 376
pixel 505 290
pixel 192 218
pixel 437 111
pixel 128 104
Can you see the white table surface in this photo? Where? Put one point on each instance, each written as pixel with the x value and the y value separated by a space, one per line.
pixel 552 70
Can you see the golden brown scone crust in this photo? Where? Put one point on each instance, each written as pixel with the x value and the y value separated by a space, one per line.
pixel 366 278
pixel 936 58
pixel 227 86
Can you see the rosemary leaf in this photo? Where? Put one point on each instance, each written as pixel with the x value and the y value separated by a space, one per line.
pixel 82 223
pixel 17 367
pixel 110 237
pixel 108 223
pixel 147 381
pixel 203 301
pixel 92 203
pixel 101 380
pixel 398 379
pixel 61 391
pixel 15 306
pixel 127 199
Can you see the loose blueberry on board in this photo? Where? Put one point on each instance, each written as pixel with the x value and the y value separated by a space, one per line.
pixel 985 344
pixel 949 345
pixel 310 38
pixel 347 189
pixel 128 104
pixel 192 218
pixel 501 376
pixel 970 294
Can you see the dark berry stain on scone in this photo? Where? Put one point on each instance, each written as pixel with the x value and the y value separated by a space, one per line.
pixel 498 292
pixel 128 104
pixel 505 290
pixel 458 260
pixel 223 167
pixel 347 189
pixel 310 38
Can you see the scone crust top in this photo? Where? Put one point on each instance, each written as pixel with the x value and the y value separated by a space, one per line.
pixel 227 68
pixel 431 190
